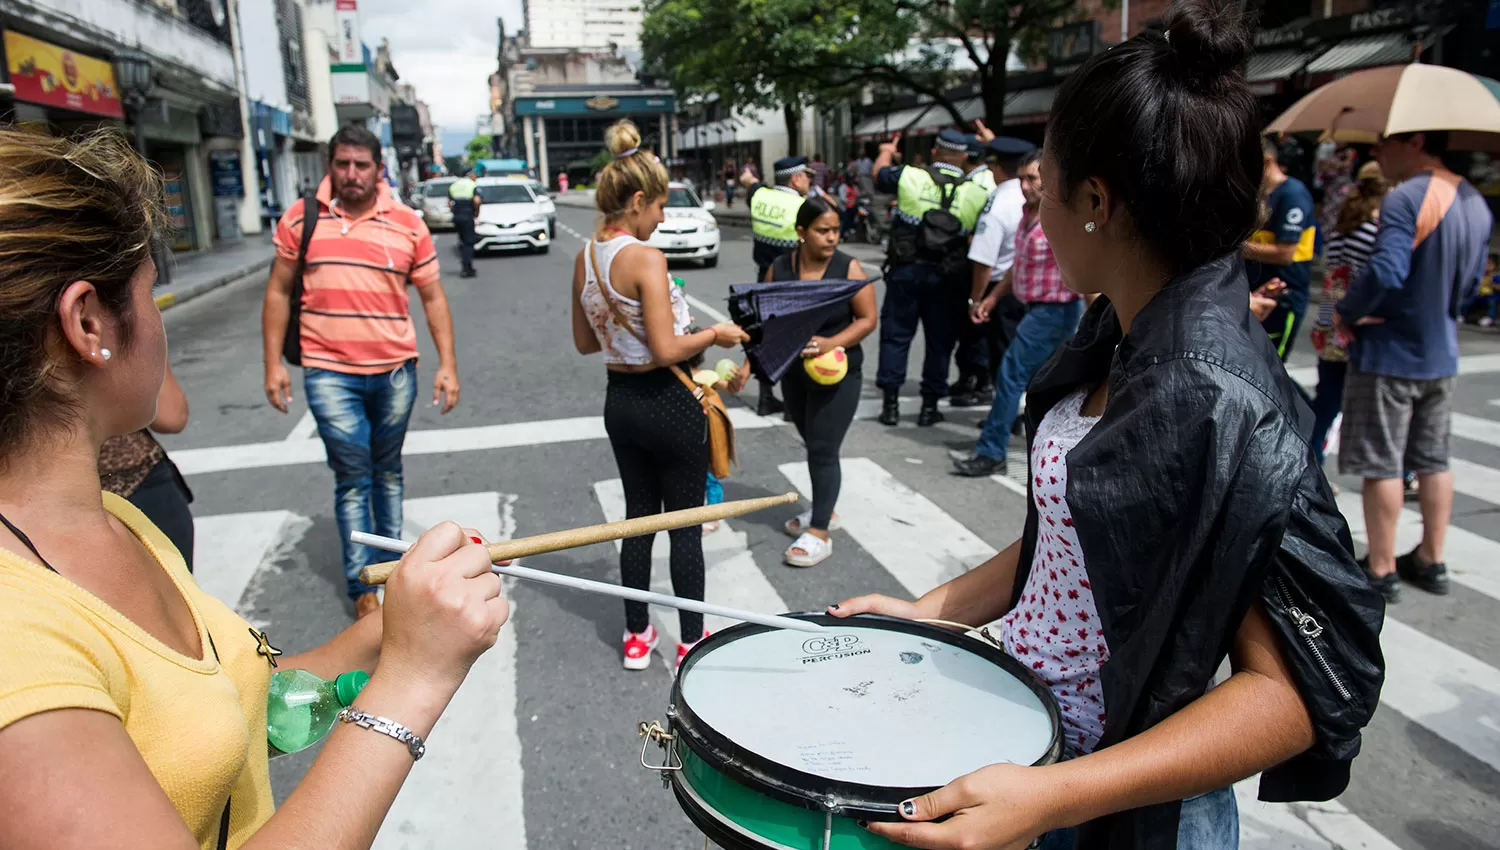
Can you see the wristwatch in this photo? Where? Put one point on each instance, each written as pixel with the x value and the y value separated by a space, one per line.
pixel 385 726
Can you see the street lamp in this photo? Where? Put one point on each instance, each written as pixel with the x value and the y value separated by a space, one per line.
pixel 134 74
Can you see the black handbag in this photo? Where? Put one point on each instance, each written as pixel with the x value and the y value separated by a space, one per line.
pixel 291 343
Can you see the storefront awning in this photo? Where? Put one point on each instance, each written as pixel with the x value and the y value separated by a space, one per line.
pixel 937 118
pixel 886 123
pixel 1030 106
pixel 1392 48
pixel 1277 64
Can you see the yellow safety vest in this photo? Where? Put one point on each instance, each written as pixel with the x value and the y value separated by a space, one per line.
pixel 917 192
pixel 462 189
pixel 773 215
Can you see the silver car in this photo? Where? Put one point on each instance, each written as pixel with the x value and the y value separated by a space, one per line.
pixel 434 198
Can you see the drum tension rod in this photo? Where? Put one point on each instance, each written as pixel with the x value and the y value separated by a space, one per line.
pixel 650 731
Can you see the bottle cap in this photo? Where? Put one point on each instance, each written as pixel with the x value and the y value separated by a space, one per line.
pixel 348 685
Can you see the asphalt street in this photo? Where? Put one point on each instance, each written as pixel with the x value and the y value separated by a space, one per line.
pixel 539 749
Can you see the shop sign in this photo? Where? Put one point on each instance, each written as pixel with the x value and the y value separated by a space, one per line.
pixel 602 103
pixel 50 75
pixel 1293 34
pixel 347 36
pixel 1070 46
pixel 224 170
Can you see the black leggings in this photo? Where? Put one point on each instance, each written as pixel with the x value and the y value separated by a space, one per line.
pixel 660 438
pixel 822 416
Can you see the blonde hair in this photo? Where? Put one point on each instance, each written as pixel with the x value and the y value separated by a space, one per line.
pixel 88 208
pixel 632 170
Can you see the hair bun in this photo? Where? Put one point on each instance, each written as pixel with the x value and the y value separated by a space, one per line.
pixel 1209 37
pixel 621 136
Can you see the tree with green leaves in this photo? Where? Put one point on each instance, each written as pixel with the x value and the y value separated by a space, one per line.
pixel 478 148
pixel 793 53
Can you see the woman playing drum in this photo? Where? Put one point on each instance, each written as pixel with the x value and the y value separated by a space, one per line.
pixel 133 704
pixel 1174 515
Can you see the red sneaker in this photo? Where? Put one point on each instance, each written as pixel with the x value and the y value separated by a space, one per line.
pixel 638 647
pixel 684 648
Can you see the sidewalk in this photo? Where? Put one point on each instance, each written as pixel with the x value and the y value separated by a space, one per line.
pixel 204 271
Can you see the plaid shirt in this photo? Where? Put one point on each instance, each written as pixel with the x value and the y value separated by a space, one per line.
pixel 1035 277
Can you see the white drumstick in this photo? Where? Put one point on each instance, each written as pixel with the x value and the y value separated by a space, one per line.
pixel 391 544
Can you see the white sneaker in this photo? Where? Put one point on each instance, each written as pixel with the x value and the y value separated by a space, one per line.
pixel 638 648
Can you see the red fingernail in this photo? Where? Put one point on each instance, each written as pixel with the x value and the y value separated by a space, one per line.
pixel 476 540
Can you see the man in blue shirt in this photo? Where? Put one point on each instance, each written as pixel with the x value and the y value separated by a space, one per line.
pixel 1278 257
pixel 1402 313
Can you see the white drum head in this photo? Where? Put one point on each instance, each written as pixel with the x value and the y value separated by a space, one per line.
pixel 867 705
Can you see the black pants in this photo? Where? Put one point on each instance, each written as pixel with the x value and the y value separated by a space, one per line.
pixel 916 292
pixel 660 438
pixel 164 497
pixel 465 228
pixel 822 416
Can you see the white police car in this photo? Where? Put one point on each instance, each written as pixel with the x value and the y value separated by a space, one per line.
pixel 512 216
pixel 689 232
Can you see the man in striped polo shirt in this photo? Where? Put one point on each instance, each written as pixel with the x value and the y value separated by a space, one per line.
pixel 358 344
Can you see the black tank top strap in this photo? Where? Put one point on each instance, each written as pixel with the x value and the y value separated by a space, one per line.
pixel 783 268
pixel 25 541
pixel 838 266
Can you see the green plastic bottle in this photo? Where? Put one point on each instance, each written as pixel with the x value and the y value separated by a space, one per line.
pixel 679 281
pixel 301 708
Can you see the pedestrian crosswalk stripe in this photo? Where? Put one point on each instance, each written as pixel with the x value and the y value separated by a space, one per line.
pixel 1443 689
pixel 305 429
pixel 1475 479
pixel 1301 826
pixel 1472 364
pixel 731 575
pixel 1473 560
pixel 229 550
pixel 1476 428
pixel 915 540
pixel 427 441
pixel 470 782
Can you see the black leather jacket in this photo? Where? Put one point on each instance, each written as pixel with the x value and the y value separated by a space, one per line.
pixel 1195 496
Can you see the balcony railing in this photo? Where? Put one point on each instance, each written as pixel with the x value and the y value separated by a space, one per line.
pixel 210 16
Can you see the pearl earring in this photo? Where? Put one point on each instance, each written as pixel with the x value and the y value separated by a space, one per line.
pixel 1090 227
pixel 106 353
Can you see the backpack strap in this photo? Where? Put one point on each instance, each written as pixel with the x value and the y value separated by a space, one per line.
pixel 311 209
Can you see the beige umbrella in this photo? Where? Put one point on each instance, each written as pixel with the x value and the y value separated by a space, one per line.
pixel 1367 105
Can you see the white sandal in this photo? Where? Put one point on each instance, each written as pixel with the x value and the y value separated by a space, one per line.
pixel 815 551
pixel 797 525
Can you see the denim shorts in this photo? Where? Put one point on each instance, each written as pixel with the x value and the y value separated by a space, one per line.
pixel 1208 822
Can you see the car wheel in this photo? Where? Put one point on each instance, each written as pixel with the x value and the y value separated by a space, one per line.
pixel 711 262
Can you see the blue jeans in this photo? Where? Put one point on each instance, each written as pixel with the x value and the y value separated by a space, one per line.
pixel 1208 822
pixel 1045 327
pixel 916 293
pixel 362 420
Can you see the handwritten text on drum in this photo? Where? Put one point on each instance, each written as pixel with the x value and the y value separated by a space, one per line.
pixel 828 648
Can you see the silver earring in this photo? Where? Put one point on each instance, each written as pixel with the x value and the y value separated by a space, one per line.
pixel 106 353
pixel 1090 227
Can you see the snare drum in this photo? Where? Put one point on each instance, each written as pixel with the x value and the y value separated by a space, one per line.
pixel 781 740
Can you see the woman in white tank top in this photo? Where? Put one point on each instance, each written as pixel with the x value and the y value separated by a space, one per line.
pixel 625 306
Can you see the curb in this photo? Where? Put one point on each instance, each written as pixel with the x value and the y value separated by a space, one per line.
pixel 167 300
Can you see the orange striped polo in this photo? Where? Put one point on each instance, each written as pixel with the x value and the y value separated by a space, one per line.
pixel 356 317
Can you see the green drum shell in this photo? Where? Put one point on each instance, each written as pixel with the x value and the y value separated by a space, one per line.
pixel 744 802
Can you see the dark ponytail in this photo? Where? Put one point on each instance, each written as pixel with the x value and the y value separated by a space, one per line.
pixel 1168 122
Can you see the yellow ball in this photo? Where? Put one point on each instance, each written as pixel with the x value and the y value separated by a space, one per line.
pixel 828 368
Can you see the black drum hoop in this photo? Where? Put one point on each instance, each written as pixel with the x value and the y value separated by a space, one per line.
pixel 789 785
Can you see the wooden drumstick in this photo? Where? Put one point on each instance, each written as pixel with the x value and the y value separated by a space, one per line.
pixel 574 537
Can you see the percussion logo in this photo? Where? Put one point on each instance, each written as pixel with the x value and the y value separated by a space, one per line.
pixel 828 648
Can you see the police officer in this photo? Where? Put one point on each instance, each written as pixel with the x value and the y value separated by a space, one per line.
pixel 464 201
pixel 980 346
pixel 927 264
pixel 773 222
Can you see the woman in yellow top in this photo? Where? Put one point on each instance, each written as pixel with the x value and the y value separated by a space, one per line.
pixel 132 704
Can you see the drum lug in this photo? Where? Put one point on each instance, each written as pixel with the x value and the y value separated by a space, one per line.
pixel 650 731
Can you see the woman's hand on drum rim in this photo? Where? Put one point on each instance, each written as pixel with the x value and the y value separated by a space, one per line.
pixel 875 603
pixel 442 609
pixel 1000 807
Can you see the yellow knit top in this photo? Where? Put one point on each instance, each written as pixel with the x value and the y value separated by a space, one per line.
pixel 199 724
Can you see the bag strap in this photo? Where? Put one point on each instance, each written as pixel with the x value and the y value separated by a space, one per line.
pixel 947 187
pixel 309 202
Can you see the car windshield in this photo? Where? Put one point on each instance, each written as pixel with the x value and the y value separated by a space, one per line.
pixel 438 190
pixel 682 198
pixel 505 194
